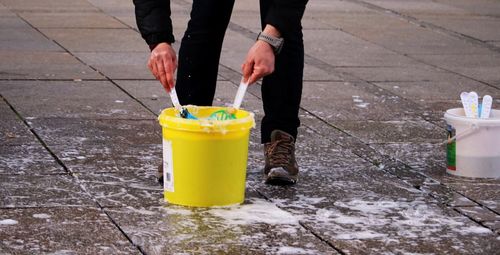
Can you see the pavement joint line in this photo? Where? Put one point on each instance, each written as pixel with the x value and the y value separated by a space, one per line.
pixel 35 79
pixel 49 11
pixel 48 207
pixel 479 222
pixel 430 26
pixel 115 18
pixel 103 209
pixel 92 119
pixel 453 72
pixel 302 224
pixel 38 138
pixel 311 230
pixel 481 205
pixel 86 28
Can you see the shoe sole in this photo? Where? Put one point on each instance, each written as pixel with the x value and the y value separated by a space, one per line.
pixel 280 177
pixel 280 181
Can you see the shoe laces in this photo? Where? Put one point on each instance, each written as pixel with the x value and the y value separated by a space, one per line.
pixel 280 152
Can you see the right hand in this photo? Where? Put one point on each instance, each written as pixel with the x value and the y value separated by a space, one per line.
pixel 162 64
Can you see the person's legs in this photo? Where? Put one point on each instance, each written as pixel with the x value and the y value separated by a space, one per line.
pixel 282 90
pixel 281 95
pixel 200 51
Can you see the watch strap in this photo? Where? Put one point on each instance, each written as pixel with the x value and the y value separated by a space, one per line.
pixel 275 42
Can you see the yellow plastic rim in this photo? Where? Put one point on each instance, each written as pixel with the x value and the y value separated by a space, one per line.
pixel 169 118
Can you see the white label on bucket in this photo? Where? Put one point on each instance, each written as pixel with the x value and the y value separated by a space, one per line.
pixel 168 166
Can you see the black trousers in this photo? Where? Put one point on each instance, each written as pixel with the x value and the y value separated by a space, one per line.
pixel 199 56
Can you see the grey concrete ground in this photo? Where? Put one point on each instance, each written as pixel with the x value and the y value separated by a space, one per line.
pixel 79 140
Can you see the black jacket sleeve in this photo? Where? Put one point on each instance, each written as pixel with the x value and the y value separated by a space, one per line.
pixel 153 20
pixel 286 15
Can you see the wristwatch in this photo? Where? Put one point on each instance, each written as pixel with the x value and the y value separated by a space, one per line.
pixel 275 42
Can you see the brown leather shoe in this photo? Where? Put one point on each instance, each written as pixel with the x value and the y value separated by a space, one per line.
pixel 281 167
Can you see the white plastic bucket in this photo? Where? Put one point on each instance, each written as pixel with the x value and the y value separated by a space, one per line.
pixel 473 147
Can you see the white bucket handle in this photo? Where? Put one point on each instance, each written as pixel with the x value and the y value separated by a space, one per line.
pixel 473 127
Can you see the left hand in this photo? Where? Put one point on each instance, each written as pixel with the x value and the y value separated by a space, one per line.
pixel 259 62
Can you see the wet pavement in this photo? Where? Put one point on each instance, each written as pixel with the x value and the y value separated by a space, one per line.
pixel 80 144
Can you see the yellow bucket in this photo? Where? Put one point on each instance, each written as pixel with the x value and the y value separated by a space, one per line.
pixel 205 161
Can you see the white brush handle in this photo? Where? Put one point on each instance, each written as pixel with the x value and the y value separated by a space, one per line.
pixel 474 104
pixel 238 99
pixel 486 108
pixel 464 96
pixel 175 99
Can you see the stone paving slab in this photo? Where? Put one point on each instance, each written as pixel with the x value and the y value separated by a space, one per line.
pixel 25 39
pixel 49 6
pixel 43 65
pixel 483 7
pixel 5 12
pixel 417 155
pixel 119 65
pixel 416 7
pixel 442 246
pixel 479 213
pixel 15 132
pixel 234 49
pixel 123 11
pixel 480 27
pixel 11 21
pixel 493 225
pixel 113 5
pixel 382 29
pixel 338 136
pixel 20 191
pixel 27 160
pixel 6 112
pixel 360 214
pixel 438 91
pixel 394 131
pixel 347 50
pixel 121 189
pixel 69 230
pixel 325 8
pixel 106 158
pixel 71 20
pixel 480 67
pixel 487 194
pixel 256 227
pixel 415 73
pixel 247 18
pixel 355 102
pixel 445 195
pixel 82 99
pixel 436 109
pixel 81 132
pixel 97 40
